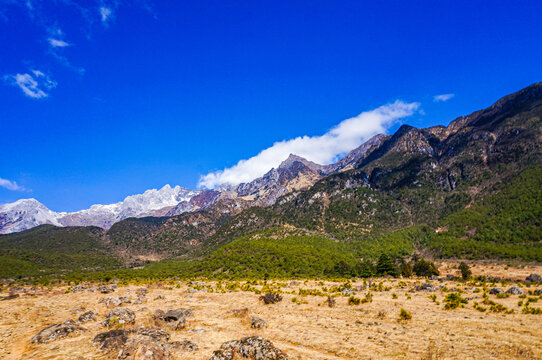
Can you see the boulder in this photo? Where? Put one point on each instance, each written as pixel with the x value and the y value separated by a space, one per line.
pixel 534 278
pixel 119 315
pixel 56 331
pixel 87 316
pixel 154 333
pixel 125 300
pixel 254 348
pixel 106 289
pixel 111 302
pixel 257 323
pixel 140 299
pixel 111 340
pixel 495 291
pixel 146 344
pixel 173 319
pixel 426 287
pixel 515 290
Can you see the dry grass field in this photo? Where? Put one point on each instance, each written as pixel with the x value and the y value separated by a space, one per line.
pixel 305 329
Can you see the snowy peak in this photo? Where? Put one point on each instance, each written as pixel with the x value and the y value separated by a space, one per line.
pixel 27 213
pixel 24 214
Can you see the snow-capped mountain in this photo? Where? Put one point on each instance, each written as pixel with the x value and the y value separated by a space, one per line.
pixel 294 173
pixel 27 213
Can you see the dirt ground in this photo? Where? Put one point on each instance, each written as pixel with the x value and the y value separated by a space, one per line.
pixel 310 330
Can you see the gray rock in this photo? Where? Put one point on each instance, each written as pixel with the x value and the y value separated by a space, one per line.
pixel 255 348
pixel 154 333
pixel 119 315
pixel 140 300
pixel 495 291
pixel 111 340
pixel 87 316
pixel 185 345
pixel 111 302
pixel 348 292
pixel 142 347
pixel 106 289
pixel 534 278
pixel 56 331
pixel 141 291
pixel 173 319
pixel 9 297
pixel 257 323
pixel 515 290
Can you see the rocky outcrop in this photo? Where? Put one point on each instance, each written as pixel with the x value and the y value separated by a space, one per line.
pixel 57 331
pixel 119 316
pixel 254 348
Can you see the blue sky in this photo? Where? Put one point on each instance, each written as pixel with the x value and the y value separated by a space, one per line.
pixel 104 99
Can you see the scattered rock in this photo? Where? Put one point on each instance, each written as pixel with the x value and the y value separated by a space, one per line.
pixel 534 278
pixel 9 297
pixel 257 323
pixel 270 298
pixel 515 290
pixel 160 297
pixel 77 310
pixel 106 289
pixel 16 288
pixel 295 283
pixel 255 348
pixel 348 292
pixel 140 299
pixel 238 312
pixel 111 340
pixel 141 291
pixel 87 316
pixel 56 331
pixel 111 302
pixel 155 333
pixel 174 319
pixel 119 315
pixel 451 277
pixel 125 300
pixel 197 331
pixel 78 288
pixel 425 287
pixel 495 291
pixel 184 345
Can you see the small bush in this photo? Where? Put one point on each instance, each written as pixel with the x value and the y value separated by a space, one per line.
pixel 453 301
pixel 352 300
pixel 271 298
pixel 466 273
pixel 404 315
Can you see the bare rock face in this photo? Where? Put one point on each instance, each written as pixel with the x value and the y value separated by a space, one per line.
pixel 119 315
pixel 56 331
pixel 111 340
pixel 254 348
pixel 87 316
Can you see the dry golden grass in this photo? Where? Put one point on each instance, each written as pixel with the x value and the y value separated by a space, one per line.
pixel 306 331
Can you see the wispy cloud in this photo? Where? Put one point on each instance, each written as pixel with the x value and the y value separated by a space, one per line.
pixel 442 97
pixel 324 149
pixel 11 185
pixel 35 84
pixel 57 43
pixel 106 13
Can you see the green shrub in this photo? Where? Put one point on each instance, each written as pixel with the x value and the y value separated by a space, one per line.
pixel 404 315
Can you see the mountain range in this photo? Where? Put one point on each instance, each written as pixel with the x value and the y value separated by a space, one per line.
pixel 294 173
pixel 472 189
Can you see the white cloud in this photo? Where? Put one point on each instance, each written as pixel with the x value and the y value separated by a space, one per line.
pixel 105 13
pixel 443 97
pixel 57 43
pixel 11 185
pixel 35 85
pixel 324 149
